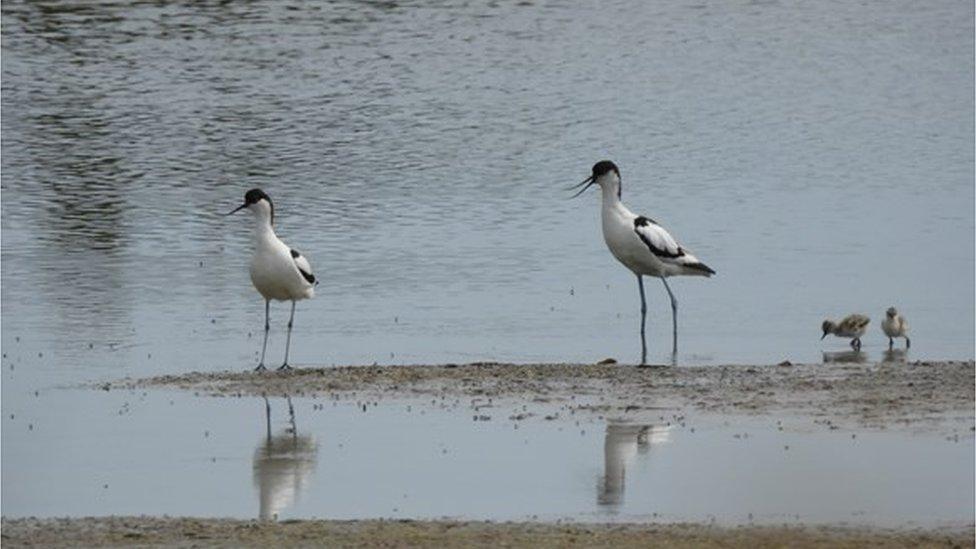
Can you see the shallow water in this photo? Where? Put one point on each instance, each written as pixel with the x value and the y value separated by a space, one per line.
pixel 818 155
pixel 189 456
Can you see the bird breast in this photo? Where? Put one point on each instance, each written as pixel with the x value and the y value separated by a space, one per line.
pixel 893 327
pixel 275 276
pixel 626 246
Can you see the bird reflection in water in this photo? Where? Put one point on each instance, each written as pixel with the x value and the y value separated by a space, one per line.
pixel 845 357
pixel 622 444
pixel 894 356
pixel 283 465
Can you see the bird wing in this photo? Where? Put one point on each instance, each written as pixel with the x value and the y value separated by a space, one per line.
pixel 856 321
pixel 657 239
pixel 660 242
pixel 303 266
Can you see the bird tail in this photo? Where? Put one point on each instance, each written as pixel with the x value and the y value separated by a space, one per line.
pixel 699 269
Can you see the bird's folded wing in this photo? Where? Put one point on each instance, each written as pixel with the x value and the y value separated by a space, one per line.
pixel 303 266
pixel 657 239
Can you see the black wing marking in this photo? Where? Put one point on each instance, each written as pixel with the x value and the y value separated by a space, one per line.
pixel 657 239
pixel 664 246
pixel 303 267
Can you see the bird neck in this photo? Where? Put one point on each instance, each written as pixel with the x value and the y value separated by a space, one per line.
pixel 611 200
pixel 611 193
pixel 263 230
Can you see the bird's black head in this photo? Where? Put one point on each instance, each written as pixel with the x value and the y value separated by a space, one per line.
pixel 604 166
pixel 600 169
pixel 254 196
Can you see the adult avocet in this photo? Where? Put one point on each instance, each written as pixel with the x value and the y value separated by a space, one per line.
pixel 642 245
pixel 277 271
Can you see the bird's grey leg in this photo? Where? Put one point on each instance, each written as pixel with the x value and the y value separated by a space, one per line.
pixel 267 328
pixel 640 284
pixel 891 343
pixel 908 343
pixel 674 318
pixel 291 320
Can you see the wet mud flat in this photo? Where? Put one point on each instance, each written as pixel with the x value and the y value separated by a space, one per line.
pixel 908 395
pixel 193 532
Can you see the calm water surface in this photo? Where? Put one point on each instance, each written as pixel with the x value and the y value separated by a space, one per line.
pixel 189 456
pixel 818 155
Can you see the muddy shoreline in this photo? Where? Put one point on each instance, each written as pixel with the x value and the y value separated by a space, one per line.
pixel 195 532
pixel 916 395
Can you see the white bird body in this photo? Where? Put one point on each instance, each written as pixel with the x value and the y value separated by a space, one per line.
pixel 633 239
pixel 894 325
pixel 623 242
pixel 277 271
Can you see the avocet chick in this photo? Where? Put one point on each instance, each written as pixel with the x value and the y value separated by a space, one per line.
pixel 895 325
pixel 852 326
